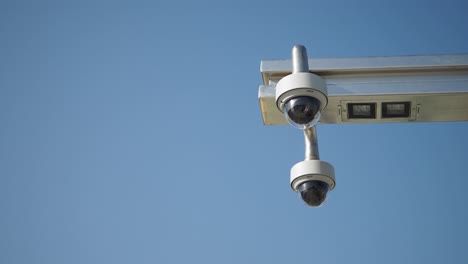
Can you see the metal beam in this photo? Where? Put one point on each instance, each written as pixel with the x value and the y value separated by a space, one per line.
pixel 436 87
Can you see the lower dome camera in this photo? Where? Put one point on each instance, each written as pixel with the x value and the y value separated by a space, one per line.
pixel 314 193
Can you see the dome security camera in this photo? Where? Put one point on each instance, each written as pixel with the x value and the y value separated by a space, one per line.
pixel 312 179
pixel 301 96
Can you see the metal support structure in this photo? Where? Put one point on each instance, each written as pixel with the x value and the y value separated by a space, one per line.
pixel 311 144
pixel 299 59
pixel 300 63
pixel 435 87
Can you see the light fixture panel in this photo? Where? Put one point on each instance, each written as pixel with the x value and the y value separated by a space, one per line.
pixel 361 110
pixel 396 109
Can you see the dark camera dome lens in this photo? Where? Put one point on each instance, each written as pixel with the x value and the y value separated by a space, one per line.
pixel 302 110
pixel 313 193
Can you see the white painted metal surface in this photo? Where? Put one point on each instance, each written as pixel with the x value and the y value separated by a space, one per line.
pixel 435 86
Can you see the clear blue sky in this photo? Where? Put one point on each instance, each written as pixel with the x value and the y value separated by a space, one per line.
pixel 131 133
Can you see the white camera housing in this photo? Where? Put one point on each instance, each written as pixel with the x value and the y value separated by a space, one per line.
pixel 301 84
pixel 312 170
